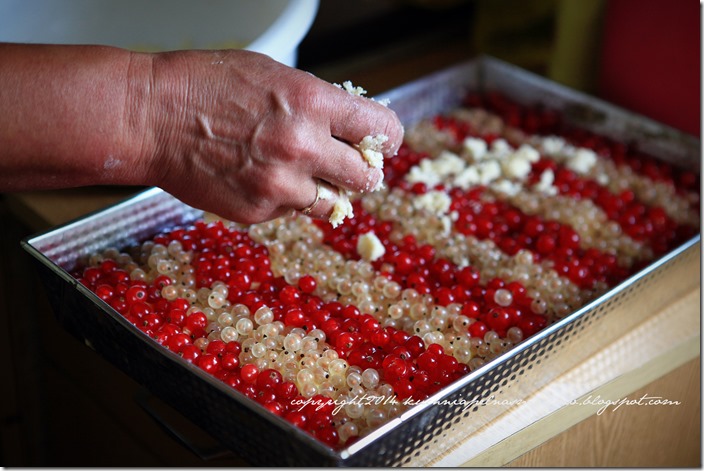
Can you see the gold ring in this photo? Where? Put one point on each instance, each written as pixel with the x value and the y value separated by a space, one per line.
pixel 307 210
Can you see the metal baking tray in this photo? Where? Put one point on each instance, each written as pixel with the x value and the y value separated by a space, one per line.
pixel 427 431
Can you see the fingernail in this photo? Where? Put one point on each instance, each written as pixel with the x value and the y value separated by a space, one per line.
pixel 378 181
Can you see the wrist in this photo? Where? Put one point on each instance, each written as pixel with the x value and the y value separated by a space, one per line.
pixel 141 124
pixel 160 104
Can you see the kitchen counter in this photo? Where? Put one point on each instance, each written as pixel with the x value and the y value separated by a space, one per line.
pixel 82 398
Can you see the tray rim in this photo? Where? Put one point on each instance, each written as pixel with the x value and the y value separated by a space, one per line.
pixel 30 243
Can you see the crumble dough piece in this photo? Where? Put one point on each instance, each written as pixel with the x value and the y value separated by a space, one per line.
pixel 369 247
pixel 370 147
pixel 435 202
pixel 359 91
pixel 342 209
pixel 351 89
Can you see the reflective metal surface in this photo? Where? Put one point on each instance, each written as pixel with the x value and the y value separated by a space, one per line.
pixel 427 430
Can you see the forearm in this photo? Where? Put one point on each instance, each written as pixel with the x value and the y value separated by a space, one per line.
pixel 231 132
pixel 72 116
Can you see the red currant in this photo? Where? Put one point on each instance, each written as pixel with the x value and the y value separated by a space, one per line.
pixel 307 284
pixel 249 373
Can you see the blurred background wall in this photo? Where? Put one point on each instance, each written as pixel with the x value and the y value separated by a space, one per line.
pixel 643 55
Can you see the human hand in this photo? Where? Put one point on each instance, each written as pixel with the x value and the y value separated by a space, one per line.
pixel 248 138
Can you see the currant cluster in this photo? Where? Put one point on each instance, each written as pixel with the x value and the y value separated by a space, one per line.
pixel 639 221
pixel 538 119
pixel 496 306
pixel 398 166
pixel 162 310
pixel 512 230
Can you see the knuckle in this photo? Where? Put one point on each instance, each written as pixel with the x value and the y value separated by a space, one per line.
pixel 276 188
pixel 294 143
pixel 305 91
pixel 256 215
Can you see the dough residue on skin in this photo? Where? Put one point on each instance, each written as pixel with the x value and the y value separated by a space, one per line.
pixel 359 91
pixel 342 207
pixel 341 210
pixel 370 147
pixel 351 89
pixel 383 101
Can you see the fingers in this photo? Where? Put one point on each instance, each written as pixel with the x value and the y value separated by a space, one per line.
pixel 353 119
pixel 343 166
pixel 358 117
